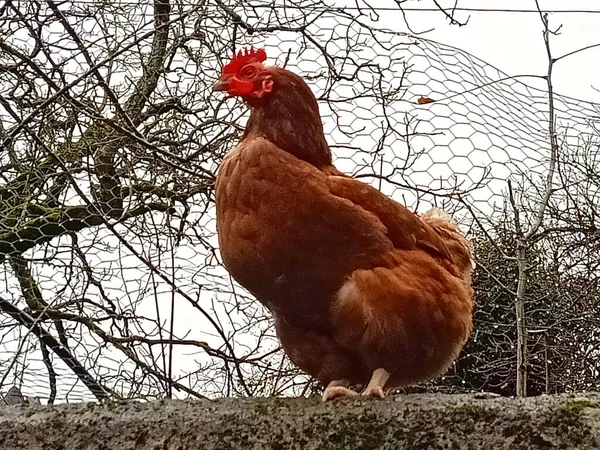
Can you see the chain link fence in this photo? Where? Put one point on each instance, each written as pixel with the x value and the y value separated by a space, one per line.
pixel 111 278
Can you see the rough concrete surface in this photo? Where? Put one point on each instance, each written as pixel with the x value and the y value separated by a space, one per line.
pixel 420 421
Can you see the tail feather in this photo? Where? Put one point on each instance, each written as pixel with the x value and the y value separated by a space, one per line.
pixel 438 213
pixel 454 239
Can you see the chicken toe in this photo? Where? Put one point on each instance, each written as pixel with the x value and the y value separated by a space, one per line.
pixel 337 388
pixel 375 387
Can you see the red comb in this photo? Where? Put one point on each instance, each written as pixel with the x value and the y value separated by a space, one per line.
pixel 243 57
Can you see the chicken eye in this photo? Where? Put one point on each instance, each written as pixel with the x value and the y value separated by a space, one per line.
pixel 248 71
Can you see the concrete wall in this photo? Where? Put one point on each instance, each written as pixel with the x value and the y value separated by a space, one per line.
pixel 428 421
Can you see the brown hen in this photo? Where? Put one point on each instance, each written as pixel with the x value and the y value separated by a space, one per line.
pixel 362 291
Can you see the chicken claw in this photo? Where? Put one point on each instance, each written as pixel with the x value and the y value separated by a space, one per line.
pixel 336 388
pixel 375 387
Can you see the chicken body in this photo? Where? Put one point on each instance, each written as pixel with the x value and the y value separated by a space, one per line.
pixel 362 290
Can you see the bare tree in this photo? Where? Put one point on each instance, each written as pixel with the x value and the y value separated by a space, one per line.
pixel 536 204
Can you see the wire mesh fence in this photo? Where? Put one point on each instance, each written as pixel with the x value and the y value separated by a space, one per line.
pixel 111 138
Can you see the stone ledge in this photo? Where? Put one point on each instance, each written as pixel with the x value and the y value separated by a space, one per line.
pixel 419 421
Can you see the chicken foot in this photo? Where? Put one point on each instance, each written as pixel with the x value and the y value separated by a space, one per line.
pixel 375 387
pixel 338 388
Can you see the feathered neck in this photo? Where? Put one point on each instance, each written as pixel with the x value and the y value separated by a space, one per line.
pixel 289 118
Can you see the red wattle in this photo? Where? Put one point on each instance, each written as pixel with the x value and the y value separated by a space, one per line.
pixel 239 87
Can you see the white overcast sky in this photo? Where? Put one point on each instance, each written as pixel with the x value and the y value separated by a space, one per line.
pixel 512 41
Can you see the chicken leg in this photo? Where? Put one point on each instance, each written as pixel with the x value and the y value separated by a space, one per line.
pixel 337 388
pixel 376 384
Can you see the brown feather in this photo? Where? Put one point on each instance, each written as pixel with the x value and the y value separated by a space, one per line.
pixel 355 281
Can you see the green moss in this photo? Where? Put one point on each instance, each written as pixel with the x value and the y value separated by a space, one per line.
pixel 472 411
pixel 579 405
pixel 570 425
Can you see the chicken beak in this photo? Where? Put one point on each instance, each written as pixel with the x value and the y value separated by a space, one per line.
pixel 221 85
